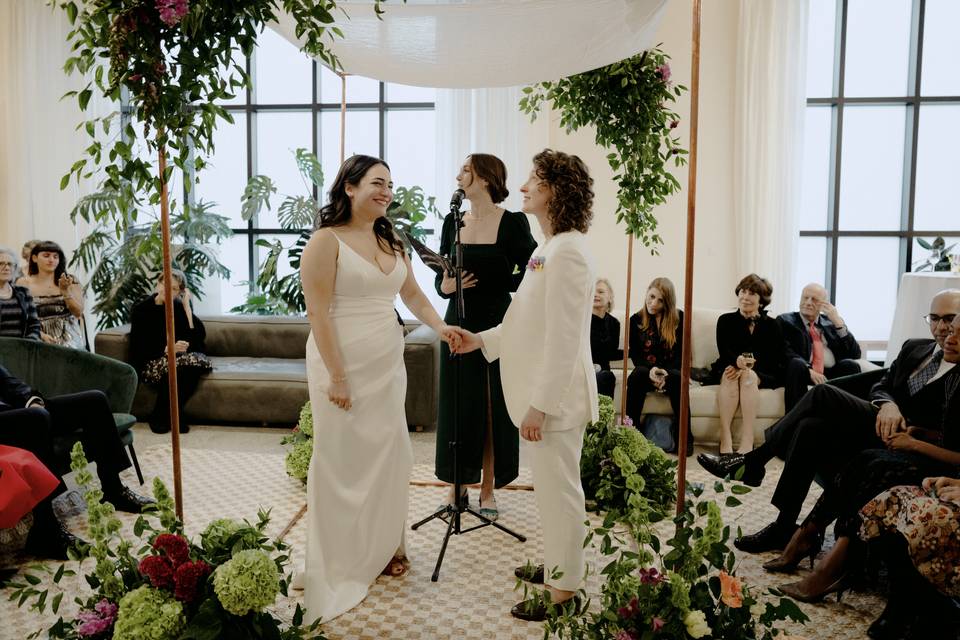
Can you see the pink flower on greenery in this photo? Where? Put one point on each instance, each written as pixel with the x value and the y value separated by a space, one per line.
pixel 663 71
pixel 172 11
pixel 187 578
pixel 656 624
pixel 630 610
pixel 626 421
pixel 158 571
pixel 173 547
pixel 97 622
pixel 651 576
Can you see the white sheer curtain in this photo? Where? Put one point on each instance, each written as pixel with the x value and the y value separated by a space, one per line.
pixel 486 121
pixel 38 140
pixel 768 139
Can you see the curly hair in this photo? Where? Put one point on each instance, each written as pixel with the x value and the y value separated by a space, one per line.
pixel 760 286
pixel 571 206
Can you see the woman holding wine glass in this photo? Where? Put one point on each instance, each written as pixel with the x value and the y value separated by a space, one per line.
pixel 752 357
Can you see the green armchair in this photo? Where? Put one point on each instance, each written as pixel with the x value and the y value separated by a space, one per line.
pixel 53 370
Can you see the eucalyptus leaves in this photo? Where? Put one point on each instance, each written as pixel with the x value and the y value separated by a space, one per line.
pixel 628 104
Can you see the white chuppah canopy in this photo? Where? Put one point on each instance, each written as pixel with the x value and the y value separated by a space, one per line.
pixel 487 43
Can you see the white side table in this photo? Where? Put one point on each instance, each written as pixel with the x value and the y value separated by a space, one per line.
pixel 913 302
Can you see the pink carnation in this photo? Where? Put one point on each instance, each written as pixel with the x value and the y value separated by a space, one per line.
pixel 172 11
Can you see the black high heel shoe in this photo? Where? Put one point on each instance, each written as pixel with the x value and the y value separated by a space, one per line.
pixel 804 548
pixel 838 586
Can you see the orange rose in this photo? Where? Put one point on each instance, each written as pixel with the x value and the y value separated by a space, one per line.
pixel 731 593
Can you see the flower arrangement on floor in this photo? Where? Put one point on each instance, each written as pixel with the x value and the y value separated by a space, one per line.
pixel 298 457
pixel 622 472
pixel 170 588
pixel 685 588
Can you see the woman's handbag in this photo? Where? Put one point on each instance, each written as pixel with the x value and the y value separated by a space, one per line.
pixel 156 370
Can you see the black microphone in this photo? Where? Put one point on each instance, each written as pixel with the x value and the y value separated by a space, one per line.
pixel 457 199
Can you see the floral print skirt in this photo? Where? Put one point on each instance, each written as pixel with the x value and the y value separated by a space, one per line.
pixel 930 526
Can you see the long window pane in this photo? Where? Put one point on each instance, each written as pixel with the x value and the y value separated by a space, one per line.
pixel 937 199
pixel 282 71
pixel 362 136
pixel 878 47
pixel 868 310
pixel 278 135
pixel 821 45
pixel 409 149
pixel 225 174
pixel 871 169
pixel 817 150
pixel 941 49
pixel 234 255
pixel 811 266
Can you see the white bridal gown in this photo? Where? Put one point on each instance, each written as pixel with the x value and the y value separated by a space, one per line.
pixel 360 470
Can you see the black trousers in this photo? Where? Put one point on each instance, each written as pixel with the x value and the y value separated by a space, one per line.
pixel 797 378
pixel 83 416
pixel 606 382
pixel 818 436
pixel 187 380
pixel 639 384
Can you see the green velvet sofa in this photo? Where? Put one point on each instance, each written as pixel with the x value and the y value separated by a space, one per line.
pixel 260 374
pixel 53 370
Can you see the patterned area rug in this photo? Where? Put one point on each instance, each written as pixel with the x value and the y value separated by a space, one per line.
pixel 475 590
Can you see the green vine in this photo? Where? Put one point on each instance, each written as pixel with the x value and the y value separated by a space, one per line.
pixel 628 104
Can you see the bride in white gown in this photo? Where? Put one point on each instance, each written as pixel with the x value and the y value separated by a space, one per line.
pixel 352 269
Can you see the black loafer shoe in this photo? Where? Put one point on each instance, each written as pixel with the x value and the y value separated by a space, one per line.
pixel 530 573
pixel 726 465
pixel 128 501
pixel 773 537
pixel 535 609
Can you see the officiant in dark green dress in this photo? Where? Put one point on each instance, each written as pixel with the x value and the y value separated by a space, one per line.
pixel 496 246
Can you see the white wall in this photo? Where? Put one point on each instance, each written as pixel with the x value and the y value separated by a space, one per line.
pixel 714 262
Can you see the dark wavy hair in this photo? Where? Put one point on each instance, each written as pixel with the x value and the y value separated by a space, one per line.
pixel 491 168
pixel 571 207
pixel 33 268
pixel 760 286
pixel 337 211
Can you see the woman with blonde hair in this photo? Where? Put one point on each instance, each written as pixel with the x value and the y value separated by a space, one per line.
pixel 656 343
pixel 604 337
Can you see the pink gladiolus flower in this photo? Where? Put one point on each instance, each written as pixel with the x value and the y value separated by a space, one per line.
pixel 656 624
pixel 172 11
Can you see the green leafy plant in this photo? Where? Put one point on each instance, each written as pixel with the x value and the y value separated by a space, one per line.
pixel 628 104
pixel 125 267
pixel 276 294
pixel 939 259
pixel 298 457
pixel 169 587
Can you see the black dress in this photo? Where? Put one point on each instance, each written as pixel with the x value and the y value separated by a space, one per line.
pixel 648 350
pixel 499 268
pixel 765 343
pixel 148 341
pixel 604 343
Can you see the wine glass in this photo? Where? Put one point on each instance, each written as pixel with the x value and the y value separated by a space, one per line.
pixel 748 358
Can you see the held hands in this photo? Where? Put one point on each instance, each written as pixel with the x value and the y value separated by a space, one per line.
pixel 449 284
pixel 889 421
pixel 658 377
pixel 531 428
pixel 943 488
pixel 468 341
pixel 181 346
pixel 339 394
pixel 450 335
pixel 901 441
pixel 817 378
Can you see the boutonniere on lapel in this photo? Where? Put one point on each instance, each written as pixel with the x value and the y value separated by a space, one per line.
pixel 536 263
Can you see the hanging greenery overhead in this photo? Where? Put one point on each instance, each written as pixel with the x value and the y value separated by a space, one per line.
pixel 629 105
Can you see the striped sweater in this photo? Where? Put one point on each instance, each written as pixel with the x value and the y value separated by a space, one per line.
pixel 18 315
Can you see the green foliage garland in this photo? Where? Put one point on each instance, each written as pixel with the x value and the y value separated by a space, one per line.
pixel 628 104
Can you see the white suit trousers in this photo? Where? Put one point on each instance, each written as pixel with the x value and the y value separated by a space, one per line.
pixel 560 502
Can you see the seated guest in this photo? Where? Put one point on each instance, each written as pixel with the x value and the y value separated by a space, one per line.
pixel 26 485
pixel 604 337
pixel 820 347
pixel 148 349
pixel 751 358
pixel 656 342
pixel 830 426
pixel 24 268
pixel 57 296
pixel 31 422
pixel 18 315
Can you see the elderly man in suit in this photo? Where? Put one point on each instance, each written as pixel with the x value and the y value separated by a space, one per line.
pixel 546 368
pixel 828 426
pixel 820 346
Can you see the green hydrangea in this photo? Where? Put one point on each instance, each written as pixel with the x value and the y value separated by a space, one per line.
pixel 679 591
pixel 148 614
pixel 306 420
pixel 298 459
pixel 224 536
pixel 247 582
pixel 606 410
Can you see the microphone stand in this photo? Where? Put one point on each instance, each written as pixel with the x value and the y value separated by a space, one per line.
pixel 451 513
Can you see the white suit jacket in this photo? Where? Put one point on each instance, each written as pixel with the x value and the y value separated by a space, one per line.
pixel 543 342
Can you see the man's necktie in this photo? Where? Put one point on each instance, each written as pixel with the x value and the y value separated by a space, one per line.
pixel 816 362
pixel 922 377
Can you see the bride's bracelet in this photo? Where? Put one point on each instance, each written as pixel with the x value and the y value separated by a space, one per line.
pixel 338 379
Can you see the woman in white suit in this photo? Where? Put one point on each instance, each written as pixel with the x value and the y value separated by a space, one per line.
pixel 546 368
